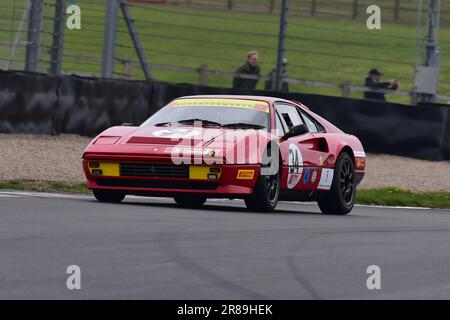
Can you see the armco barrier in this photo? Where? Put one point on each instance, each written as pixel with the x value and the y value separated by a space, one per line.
pixel 88 106
pixel 37 103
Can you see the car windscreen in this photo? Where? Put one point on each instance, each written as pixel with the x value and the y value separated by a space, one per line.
pixel 222 115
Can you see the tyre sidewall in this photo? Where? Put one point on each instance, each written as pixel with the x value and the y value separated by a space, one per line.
pixel 336 187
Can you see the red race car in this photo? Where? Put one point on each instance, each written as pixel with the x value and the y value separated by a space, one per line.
pixel 259 149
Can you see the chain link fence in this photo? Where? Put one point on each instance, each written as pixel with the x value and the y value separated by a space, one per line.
pixel 185 44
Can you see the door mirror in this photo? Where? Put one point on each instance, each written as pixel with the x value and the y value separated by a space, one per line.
pixel 295 131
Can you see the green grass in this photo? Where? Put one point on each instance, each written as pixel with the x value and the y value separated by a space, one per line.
pixel 316 51
pixel 383 197
pixel 403 197
pixel 41 186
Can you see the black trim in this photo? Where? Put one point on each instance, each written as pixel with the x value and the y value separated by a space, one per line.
pixel 127 183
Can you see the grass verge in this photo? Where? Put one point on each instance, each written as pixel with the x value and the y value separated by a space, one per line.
pixel 403 197
pixel 383 197
pixel 45 186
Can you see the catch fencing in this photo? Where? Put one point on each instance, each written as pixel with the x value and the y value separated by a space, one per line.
pixel 186 45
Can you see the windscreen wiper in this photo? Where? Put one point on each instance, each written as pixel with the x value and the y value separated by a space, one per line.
pixel 163 124
pixel 203 122
pixel 243 125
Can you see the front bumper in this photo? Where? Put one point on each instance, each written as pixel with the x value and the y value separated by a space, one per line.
pixel 233 180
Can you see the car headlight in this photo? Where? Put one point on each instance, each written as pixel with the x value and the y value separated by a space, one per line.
pixel 106 140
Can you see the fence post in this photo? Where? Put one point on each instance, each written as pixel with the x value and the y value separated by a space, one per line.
pixel 272 6
pixel 203 73
pixel 414 98
pixel 313 7
pixel 58 38
pixel 345 89
pixel 109 38
pixel 396 10
pixel 230 5
pixel 136 41
pixel 355 9
pixel 281 43
pixel 33 51
pixel 128 68
pixel 273 80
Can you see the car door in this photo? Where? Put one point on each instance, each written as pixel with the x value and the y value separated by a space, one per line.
pixel 302 156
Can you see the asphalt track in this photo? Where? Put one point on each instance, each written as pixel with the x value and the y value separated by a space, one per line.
pixel 148 248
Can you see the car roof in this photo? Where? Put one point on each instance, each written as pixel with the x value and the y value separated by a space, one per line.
pixel 241 97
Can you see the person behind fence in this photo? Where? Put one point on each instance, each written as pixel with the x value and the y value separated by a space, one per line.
pixel 373 81
pixel 250 67
pixel 269 85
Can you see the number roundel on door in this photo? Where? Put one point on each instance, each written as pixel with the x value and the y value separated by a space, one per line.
pixel 295 161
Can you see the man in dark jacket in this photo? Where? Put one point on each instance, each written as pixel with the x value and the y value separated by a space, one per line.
pixel 269 85
pixel 373 81
pixel 250 67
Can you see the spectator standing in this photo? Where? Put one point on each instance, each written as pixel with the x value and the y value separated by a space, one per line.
pixel 373 81
pixel 272 74
pixel 250 67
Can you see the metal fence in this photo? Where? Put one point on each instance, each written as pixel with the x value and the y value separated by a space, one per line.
pixel 402 11
pixel 189 45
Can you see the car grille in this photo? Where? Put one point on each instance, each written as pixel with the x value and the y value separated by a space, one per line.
pixel 190 185
pixel 154 170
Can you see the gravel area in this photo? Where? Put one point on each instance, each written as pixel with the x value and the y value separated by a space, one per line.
pixel 58 158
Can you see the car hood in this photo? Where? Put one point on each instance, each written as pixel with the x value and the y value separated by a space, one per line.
pixel 161 141
pixel 170 135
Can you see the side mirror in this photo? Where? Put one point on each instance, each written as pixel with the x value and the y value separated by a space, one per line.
pixel 295 131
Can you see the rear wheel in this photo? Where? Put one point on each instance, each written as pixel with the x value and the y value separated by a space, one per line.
pixel 341 197
pixel 111 196
pixel 190 201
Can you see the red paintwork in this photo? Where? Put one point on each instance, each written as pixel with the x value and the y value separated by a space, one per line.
pixel 137 144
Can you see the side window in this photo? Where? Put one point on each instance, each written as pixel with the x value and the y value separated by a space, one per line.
pixel 280 128
pixel 289 115
pixel 310 123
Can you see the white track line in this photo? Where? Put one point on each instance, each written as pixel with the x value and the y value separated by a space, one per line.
pixel 15 194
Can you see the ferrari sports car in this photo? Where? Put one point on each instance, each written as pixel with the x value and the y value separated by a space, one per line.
pixel 260 149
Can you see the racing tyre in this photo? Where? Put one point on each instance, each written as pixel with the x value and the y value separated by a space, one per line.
pixel 267 189
pixel 110 196
pixel 190 201
pixel 341 197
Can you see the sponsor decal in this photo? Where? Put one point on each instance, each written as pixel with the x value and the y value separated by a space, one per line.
pixel 189 150
pixel 326 179
pixel 176 133
pixel 321 160
pixel 295 161
pixel 313 176
pixel 245 174
pixel 223 103
pixel 306 177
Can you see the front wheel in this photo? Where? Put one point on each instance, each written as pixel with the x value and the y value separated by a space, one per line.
pixel 190 201
pixel 341 197
pixel 265 194
pixel 111 196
